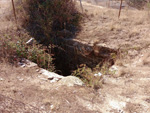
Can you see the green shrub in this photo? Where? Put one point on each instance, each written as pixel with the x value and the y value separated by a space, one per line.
pixel 12 52
pixel 48 17
pixel 88 76
pixel 35 53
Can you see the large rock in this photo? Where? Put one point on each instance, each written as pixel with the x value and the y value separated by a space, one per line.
pixel 102 50
pixel 50 75
pixel 70 81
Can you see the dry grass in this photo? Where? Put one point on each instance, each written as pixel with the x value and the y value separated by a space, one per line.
pixel 103 25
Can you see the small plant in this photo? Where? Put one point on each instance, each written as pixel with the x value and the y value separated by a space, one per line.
pixel 7 53
pixel 79 71
pixel 36 53
pixel 88 76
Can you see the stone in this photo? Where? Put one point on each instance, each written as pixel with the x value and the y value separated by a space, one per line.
pixel 44 79
pixel 118 105
pixel 31 64
pixel 70 81
pixel 98 74
pixel 119 71
pixel 54 80
pixel 37 70
pixel 114 68
pixel 23 66
pixel 100 49
pixel 20 79
pixel 50 75
pixel 1 79
pixel 27 63
pixel 103 50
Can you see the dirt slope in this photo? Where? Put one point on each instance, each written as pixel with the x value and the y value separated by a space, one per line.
pixel 128 91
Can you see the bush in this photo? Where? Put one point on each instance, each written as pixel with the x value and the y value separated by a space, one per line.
pixel 12 52
pixel 88 76
pixel 7 53
pixel 48 17
pixel 137 3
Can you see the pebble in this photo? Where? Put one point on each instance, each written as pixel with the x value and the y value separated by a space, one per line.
pixel 20 79
pixel 1 79
pixel 98 74
pixel 23 66
pixel 54 80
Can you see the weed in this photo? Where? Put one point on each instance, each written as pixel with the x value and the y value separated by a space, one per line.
pixel 6 51
pixel 36 53
pixel 88 76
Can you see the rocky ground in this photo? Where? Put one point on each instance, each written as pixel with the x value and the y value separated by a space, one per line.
pixel 26 89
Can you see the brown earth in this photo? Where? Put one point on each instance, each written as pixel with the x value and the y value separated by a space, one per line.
pixel 127 91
